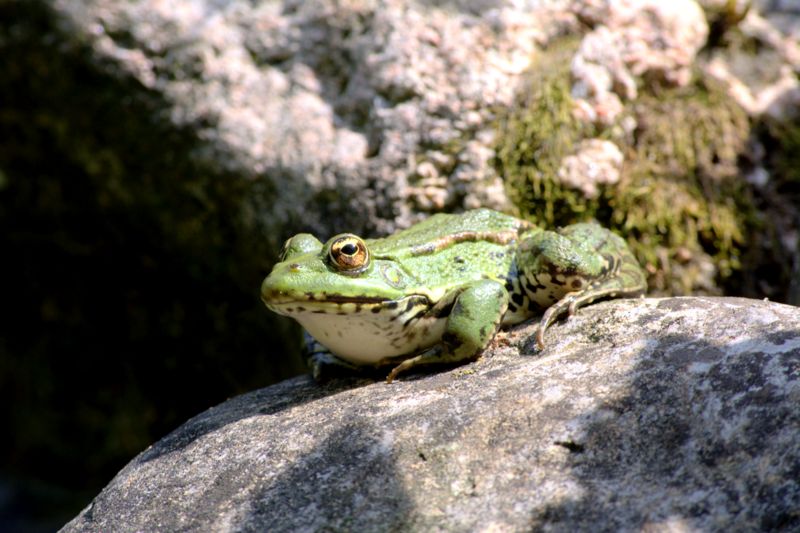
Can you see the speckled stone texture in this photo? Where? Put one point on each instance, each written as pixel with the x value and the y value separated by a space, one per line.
pixel 389 106
pixel 672 414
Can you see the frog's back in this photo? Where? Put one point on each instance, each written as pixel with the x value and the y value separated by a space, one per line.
pixel 443 230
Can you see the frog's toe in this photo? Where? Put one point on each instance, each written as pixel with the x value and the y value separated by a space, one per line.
pixel 540 337
pixel 429 356
pixel 573 307
pixel 550 316
pixel 405 365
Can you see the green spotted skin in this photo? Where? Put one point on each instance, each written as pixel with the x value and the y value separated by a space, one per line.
pixel 437 292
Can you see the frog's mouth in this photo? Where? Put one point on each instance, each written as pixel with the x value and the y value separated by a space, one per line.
pixel 294 304
pixel 283 298
pixel 349 299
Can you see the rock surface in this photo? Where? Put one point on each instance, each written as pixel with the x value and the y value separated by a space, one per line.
pixel 356 97
pixel 657 414
pixel 160 152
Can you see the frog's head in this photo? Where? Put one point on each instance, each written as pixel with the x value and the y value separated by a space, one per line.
pixel 340 276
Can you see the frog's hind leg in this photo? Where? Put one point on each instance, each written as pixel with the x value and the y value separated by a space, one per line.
pixel 581 263
pixel 623 285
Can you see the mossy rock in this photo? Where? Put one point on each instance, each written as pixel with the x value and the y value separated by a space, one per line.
pixel 681 201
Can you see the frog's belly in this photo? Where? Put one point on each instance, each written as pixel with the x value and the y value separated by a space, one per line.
pixel 366 339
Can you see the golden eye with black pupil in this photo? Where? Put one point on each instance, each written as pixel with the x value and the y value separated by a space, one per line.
pixel 349 254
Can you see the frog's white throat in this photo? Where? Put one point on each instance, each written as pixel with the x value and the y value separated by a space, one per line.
pixel 362 336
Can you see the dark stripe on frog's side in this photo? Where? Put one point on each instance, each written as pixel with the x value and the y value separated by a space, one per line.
pixel 443 311
pixel 420 308
pixel 444 307
pixel 335 298
pixel 416 307
pixel 496 237
pixel 418 314
pixel 517 298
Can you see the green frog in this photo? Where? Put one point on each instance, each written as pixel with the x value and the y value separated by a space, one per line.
pixel 438 292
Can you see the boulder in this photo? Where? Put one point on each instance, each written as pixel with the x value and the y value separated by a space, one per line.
pixel 656 414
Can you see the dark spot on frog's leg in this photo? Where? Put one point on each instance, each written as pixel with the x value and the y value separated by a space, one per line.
pixel 392 305
pixel 376 309
pixel 319 311
pixel 517 298
pixel 512 308
pixel 450 340
pixel 459 309
pixel 409 305
pixel 577 283
pixel 533 306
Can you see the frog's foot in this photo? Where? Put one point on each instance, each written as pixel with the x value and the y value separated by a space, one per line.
pixel 616 287
pixel 473 321
pixel 428 357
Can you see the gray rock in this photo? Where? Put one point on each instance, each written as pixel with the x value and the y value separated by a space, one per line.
pixel 327 102
pixel 657 414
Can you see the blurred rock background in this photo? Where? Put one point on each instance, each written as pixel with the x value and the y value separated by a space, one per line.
pixel 155 155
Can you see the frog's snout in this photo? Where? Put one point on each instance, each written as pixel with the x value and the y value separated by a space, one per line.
pixel 281 282
pixel 268 289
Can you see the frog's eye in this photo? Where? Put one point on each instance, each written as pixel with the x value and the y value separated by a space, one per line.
pixel 349 254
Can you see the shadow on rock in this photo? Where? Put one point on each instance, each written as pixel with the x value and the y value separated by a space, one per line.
pixel 704 431
pixel 341 485
pixel 267 401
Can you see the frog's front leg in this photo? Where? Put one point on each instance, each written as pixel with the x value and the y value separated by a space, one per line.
pixel 571 268
pixel 473 320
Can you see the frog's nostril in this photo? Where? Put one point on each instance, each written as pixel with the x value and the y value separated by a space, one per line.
pixel 295 267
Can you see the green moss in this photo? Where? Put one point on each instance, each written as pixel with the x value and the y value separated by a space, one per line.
pixel 536 135
pixel 681 189
pixel 680 200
